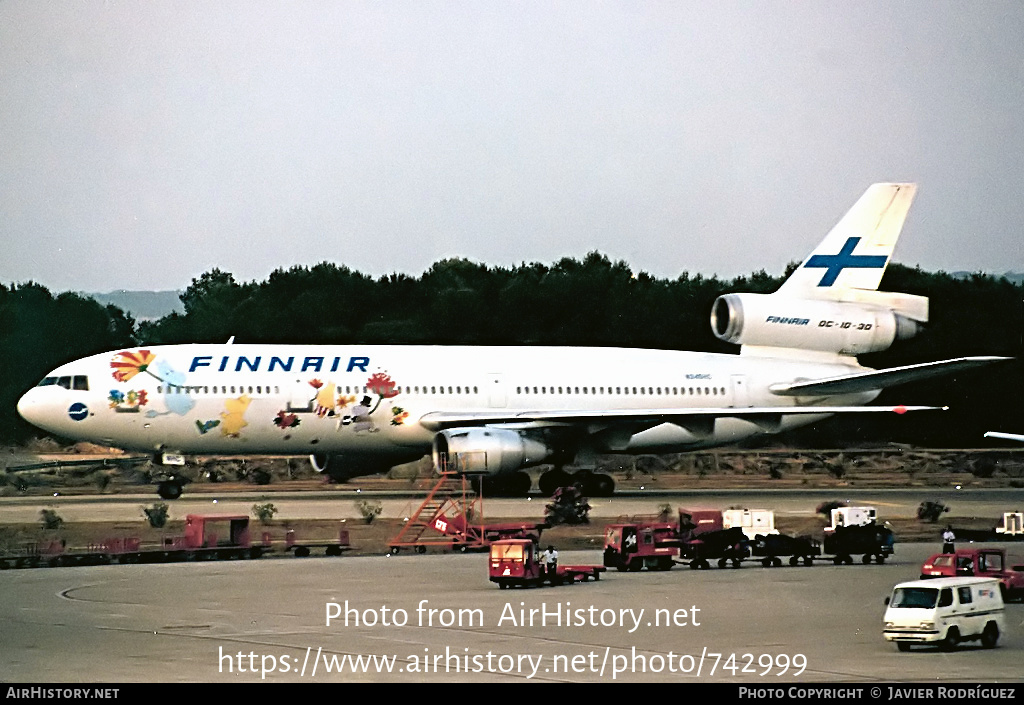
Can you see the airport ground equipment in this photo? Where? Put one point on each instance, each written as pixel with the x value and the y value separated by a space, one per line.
pixel 855 531
pixel 451 517
pixel 945 612
pixel 1011 529
pixel 517 563
pixel 1013 525
pixel 980 563
pixel 205 537
pixel 636 545
pixel 729 537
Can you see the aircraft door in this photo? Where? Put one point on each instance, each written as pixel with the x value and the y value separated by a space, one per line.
pixel 300 397
pixel 496 397
pixel 740 395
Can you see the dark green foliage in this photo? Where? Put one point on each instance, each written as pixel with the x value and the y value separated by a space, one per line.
pixel 39 331
pixel 264 512
pixel 590 302
pixel 50 519
pixel 156 514
pixel 930 512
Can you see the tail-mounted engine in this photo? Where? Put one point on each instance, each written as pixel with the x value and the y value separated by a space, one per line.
pixel 840 327
pixel 486 450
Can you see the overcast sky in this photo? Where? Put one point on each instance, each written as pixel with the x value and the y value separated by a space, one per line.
pixel 144 143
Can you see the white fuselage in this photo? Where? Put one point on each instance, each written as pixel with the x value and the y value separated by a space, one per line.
pixel 298 399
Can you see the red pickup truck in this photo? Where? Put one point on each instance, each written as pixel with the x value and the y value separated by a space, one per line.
pixel 979 562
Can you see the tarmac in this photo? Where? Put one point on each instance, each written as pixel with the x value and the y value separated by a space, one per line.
pixel 437 618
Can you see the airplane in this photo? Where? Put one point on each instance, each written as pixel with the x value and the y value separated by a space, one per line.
pixel 494 411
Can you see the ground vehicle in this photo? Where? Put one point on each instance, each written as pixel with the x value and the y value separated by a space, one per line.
pixel 978 562
pixel 854 531
pixel 945 611
pixel 516 563
pixel 205 537
pixel 631 546
pixel 1013 525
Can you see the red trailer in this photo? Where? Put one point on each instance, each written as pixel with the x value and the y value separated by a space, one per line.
pixel 516 563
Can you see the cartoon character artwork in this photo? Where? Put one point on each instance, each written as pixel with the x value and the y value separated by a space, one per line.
pixel 130 402
pixel 360 417
pixel 323 402
pixel 233 416
pixel 128 364
pixel 207 426
pixel 285 419
pixel 330 402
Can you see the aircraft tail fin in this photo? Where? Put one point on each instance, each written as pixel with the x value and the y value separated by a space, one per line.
pixel 856 251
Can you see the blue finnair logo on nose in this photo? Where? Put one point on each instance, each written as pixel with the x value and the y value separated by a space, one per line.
pixel 78 411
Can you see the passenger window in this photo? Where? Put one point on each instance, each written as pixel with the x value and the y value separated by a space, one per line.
pixel 945 597
pixel 964 595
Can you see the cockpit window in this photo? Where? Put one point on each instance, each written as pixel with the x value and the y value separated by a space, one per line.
pixel 78 382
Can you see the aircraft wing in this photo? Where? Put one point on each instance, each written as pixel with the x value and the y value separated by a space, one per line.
pixel 1005 436
pixel 440 420
pixel 873 380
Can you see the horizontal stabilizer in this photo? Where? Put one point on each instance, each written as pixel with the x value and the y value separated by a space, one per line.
pixel 1005 436
pixel 440 420
pixel 874 380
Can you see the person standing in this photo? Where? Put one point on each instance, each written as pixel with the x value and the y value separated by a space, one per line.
pixel 948 540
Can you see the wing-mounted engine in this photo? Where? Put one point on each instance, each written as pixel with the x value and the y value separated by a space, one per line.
pixel 870 322
pixel 487 450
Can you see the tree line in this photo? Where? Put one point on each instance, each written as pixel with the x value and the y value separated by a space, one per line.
pixel 581 302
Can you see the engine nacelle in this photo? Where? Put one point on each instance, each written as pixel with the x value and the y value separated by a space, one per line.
pixel 344 467
pixel 844 328
pixel 486 450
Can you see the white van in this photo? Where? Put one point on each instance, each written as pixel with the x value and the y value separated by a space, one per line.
pixel 944 611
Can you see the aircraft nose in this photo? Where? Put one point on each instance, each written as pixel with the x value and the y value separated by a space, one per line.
pixel 28 407
pixel 35 409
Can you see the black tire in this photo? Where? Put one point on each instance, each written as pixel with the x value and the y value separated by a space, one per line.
pixel 635 565
pixel 602 485
pixel 866 559
pixel 879 559
pixel 903 645
pixel 301 552
pixel 951 640
pixel 990 637
pixel 551 481
pixel 168 490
